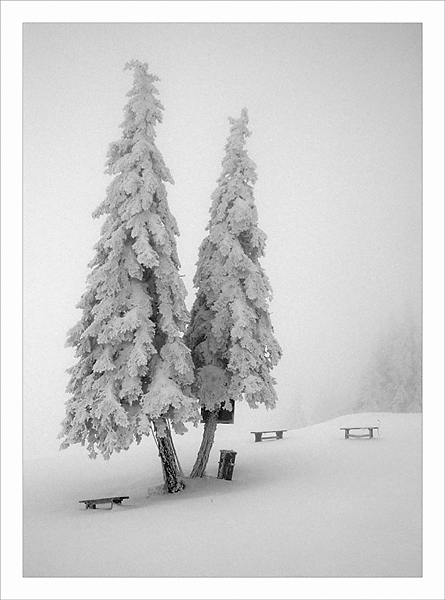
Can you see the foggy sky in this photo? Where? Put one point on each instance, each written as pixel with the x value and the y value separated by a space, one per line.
pixel 335 115
pixel 343 247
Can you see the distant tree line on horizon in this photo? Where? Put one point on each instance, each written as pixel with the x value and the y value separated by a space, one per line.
pixel 392 381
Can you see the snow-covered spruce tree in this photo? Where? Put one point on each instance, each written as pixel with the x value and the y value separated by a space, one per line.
pixel 230 333
pixel 392 381
pixel 134 371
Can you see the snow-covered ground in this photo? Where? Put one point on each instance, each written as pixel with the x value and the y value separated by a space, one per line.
pixel 310 505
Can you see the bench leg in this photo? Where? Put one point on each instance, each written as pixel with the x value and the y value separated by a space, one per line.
pixel 371 433
pixel 258 437
pixel 346 434
pixel 279 435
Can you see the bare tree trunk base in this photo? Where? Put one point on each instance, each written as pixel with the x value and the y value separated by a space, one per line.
pixel 170 467
pixel 206 445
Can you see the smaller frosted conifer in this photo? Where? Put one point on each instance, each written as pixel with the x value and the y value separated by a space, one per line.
pixel 134 372
pixel 230 333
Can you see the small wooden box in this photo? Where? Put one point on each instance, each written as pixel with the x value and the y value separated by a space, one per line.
pixel 225 415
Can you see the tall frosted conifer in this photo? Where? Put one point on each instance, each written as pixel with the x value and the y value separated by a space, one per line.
pixel 230 333
pixel 134 372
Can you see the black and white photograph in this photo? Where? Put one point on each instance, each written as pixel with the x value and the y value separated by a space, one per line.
pixel 228 229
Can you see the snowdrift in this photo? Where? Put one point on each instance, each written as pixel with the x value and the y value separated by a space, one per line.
pixel 310 505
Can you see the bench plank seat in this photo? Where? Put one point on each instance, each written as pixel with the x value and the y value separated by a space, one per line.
pixel 369 434
pixel 278 434
pixel 112 500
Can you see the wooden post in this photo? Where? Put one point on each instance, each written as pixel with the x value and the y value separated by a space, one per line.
pixel 226 464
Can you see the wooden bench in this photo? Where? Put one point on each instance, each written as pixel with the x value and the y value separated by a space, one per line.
pixel 112 500
pixel 259 435
pixel 369 434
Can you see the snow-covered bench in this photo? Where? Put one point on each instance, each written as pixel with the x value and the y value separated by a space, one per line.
pixel 259 435
pixel 369 434
pixel 112 500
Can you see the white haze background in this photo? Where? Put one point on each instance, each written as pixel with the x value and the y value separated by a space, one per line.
pixel 335 114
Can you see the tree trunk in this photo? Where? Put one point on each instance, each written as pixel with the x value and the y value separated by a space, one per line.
pixel 206 444
pixel 170 465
